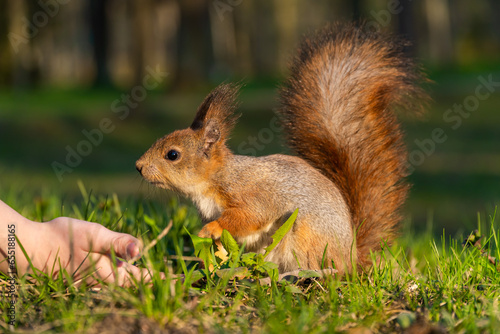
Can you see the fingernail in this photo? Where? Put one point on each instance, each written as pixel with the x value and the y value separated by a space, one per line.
pixel 132 250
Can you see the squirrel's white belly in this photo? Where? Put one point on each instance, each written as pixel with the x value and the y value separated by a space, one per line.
pixel 207 207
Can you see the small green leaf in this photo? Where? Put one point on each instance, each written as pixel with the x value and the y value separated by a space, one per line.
pixel 201 247
pixel 269 265
pixel 230 245
pixel 308 274
pixel 195 276
pixel 293 289
pixel 271 269
pixel 249 259
pixel 280 233
pixel 230 273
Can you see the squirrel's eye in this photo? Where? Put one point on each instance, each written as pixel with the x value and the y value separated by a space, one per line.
pixel 173 155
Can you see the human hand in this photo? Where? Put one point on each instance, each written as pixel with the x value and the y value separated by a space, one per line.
pixel 82 248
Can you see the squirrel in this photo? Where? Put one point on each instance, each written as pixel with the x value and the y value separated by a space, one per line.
pixel 338 111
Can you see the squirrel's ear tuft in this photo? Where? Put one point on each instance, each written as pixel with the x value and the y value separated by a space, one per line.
pixel 216 114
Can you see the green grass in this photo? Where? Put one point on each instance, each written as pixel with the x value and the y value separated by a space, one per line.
pixel 420 282
pixel 459 179
pixel 424 280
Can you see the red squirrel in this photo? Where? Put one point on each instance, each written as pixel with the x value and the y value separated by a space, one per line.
pixel 347 178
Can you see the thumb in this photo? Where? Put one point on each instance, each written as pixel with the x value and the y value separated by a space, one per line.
pixel 124 245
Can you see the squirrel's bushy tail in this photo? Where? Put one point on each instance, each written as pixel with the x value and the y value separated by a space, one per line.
pixel 338 110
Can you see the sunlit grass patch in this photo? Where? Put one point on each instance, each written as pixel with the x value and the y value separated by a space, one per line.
pixel 419 281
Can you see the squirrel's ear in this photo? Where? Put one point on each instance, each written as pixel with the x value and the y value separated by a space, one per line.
pixel 211 135
pixel 215 116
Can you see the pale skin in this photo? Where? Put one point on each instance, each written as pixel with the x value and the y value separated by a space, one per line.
pixel 79 246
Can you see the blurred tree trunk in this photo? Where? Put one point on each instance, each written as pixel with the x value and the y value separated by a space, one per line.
pixel 141 17
pixel 99 38
pixel 263 38
pixel 195 55
pixel 34 65
pixel 21 34
pixel 243 62
pixel 440 39
pixel 286 17
pixel 223 30
pixel 5 59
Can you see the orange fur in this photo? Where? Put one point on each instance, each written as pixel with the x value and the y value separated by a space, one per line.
pixel 364 153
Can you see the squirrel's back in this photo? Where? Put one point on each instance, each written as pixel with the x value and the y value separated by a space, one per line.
pixel 338 111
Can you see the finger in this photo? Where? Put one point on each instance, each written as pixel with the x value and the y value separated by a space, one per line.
pixel 129 274
pixel 133 250
pixel 102 240
pixel 124 274
pixel 125 246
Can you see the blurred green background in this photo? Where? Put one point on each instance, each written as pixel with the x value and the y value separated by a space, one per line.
pixel 67 65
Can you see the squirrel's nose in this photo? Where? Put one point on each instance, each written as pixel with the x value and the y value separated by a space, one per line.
pixel 139 166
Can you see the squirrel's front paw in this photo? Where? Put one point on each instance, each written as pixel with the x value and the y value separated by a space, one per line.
pixel 211 230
